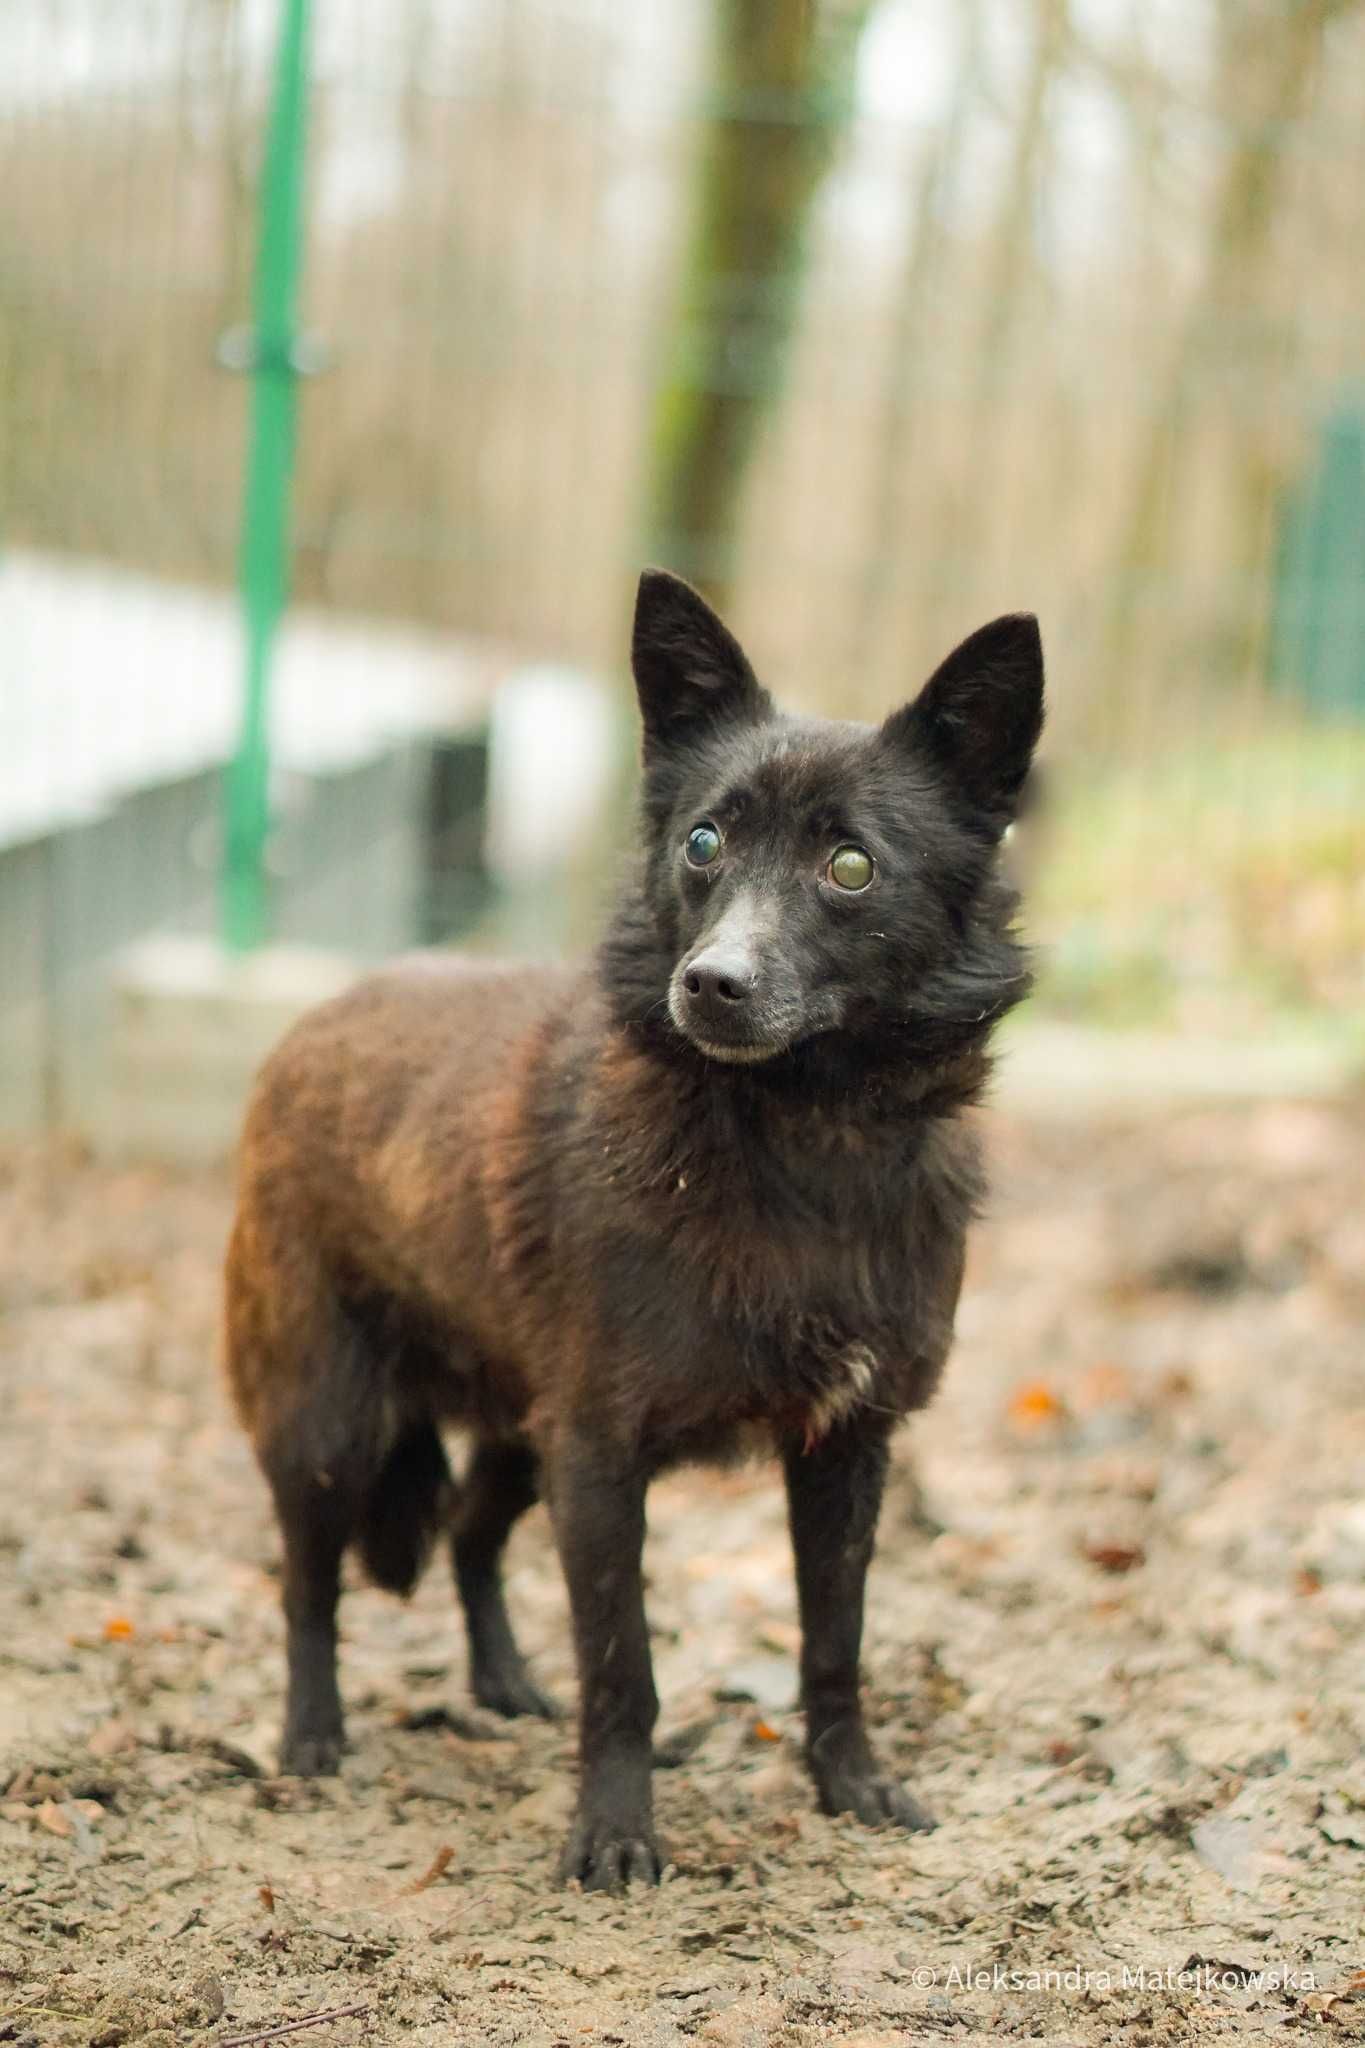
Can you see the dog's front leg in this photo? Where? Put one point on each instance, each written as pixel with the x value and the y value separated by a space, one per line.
pixel 834 1492
pixel 597 1499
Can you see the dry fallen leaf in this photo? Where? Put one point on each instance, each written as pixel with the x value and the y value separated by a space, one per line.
pixel 1034 1407
pixel 437 1868
pixel 112 1738
pixel 1235 1847
pixel 782 1637
pixel 1114 1557
pixel 1338 1824
pixel 208 1998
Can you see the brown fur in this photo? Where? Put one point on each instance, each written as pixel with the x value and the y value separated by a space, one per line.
pixel 523 1202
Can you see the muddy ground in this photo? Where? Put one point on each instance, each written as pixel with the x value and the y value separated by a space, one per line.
pixel 1125 1669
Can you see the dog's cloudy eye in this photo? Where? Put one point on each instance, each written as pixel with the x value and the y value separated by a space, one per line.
pixel 702 845
pixel 851 867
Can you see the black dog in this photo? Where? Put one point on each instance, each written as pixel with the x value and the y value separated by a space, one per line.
pixel 712 1190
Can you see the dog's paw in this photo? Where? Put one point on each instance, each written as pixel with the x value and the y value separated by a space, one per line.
pixel 309 1754
pixel 606 1856
pixel 513 1694
pixel 874 1798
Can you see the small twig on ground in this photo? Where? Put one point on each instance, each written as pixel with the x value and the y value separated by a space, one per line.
pixel 451 1927
pixel 313 2019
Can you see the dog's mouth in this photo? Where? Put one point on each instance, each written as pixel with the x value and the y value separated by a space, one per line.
pixel 734 1055
pixel 745 1048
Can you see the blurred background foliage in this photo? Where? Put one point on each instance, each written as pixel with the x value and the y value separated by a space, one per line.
pixel 875 317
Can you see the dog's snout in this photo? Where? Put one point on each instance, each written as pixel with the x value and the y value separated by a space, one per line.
pixel 720 981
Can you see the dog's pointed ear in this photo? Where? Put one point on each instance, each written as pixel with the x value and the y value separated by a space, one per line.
pixel 690 671
pixel 980 713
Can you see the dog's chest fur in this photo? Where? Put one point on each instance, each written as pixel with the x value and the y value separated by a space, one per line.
pixel 783 1262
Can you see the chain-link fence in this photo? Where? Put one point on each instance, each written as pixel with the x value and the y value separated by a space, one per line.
pixel 965 305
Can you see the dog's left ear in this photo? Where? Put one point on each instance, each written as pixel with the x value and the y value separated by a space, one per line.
pixel 980 714
pixel 690 671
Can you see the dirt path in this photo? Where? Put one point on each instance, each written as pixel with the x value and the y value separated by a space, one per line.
pixel 1126 1673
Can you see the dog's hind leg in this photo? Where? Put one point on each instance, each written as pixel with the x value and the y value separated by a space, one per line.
pixel 316 1524
pixel 285 1347
pixel 365 1475
pixel 348 1458
pixel 497 1490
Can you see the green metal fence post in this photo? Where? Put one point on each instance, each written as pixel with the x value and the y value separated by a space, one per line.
pixel 264 557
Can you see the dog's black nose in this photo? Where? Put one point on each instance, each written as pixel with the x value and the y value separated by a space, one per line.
pixel 719 981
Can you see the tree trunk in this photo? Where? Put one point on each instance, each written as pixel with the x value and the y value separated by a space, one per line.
pixel 780 88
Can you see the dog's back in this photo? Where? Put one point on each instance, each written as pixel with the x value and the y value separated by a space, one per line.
pixel 364 1169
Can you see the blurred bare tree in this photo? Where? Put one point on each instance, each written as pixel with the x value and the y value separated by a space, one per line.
pixel 778 95
pixel 1236 336
pixel 873 318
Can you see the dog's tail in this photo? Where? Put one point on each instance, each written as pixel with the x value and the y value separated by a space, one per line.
pixel 404 1508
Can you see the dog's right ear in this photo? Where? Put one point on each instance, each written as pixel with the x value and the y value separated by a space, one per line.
pixel 691 673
